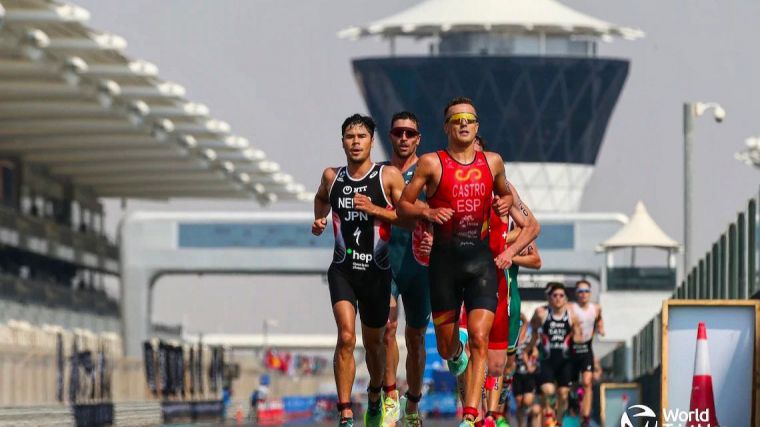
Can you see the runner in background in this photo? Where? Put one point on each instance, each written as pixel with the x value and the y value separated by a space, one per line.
pixel 524 378
pixel 555 325
pixel 589 316
pixel 409 252
pixel 505 332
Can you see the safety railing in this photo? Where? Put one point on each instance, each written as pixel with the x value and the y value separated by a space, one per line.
pixel 55 295
pixel 728 271
pixel 59 241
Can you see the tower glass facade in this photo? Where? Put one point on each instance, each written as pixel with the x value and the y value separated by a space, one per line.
pixel 545 115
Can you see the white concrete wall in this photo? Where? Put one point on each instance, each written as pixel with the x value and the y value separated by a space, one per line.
pixel 69 319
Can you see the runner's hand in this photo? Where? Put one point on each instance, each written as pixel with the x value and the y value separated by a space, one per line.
pixel 426 244
pixel 504 260
pixel 318 226
pixel 364 204
pixel 438 215
pixel 502 205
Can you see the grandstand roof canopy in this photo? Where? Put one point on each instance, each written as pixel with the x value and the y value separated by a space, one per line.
pixel 641 231
pixel 435 17
pixel 72 102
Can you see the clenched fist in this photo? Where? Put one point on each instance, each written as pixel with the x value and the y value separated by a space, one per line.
pixel 364 204
pixel 318 226
pixel 502 205
pixel 504 260
pixel 438 215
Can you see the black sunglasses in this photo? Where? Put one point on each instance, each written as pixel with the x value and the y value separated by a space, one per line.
pixel 400 132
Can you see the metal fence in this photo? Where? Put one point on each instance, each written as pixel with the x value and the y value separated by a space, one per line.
pixel 728 271
pixel 58 241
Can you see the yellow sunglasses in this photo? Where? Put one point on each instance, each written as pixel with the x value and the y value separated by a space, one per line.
pixel 469 118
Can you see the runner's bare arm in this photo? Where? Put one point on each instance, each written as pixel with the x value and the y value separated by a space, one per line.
pixel 512 235
pixel 533 357
pixel 502 200
pixel 525 357
pixel 523 328
pixel 575 324
pixel 599 321
pixel 529 257
pixel 408 208
pixel 535 323
pixel 322 202
pixel 524 218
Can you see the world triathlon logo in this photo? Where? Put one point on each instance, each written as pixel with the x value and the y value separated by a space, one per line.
pixel 671 417
pixel 460 175
pixel 644 411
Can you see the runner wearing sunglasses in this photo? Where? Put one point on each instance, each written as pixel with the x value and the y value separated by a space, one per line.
pixel 461 186
pixel 555 326
pixel 589 317
pixel 409 260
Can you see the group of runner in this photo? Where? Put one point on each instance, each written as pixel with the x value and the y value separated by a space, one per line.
pixel 555 353
pixel 444 233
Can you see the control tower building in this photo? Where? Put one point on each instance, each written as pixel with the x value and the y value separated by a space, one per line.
pixel 543 95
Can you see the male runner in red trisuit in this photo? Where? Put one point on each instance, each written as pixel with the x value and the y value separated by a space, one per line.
pixel 460 184
pixel 506 327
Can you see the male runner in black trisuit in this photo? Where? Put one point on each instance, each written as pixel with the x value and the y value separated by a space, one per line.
pixel 460 184
pixel 361 196
pixel 554 325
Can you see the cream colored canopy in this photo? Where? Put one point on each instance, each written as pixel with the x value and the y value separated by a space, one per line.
pixel 641 231
pixel 73 103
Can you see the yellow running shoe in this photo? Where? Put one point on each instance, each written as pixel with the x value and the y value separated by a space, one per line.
pixel 392 410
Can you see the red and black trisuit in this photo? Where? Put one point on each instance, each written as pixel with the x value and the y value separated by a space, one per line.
pixel 461 264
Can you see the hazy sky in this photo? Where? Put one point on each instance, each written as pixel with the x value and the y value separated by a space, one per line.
pixel 275 70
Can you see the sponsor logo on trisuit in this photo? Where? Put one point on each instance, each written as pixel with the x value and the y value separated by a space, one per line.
pixel 461 175
pixel 358 256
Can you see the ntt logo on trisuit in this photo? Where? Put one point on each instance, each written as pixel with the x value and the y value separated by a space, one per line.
pixel 671 417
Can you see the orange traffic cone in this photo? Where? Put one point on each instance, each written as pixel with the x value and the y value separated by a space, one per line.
pixel 702 404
